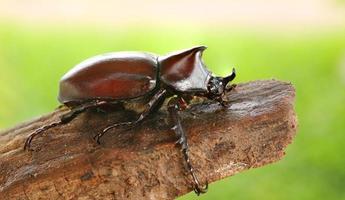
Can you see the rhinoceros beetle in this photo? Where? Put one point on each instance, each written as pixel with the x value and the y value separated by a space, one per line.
pixel 125 77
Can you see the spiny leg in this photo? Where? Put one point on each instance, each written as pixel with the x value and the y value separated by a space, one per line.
pixel 37 132
pixel 175 105
pixel 154 104
pixel 63 120
pixel 220 99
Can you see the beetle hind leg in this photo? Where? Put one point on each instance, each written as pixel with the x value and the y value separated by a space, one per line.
pixel 174 106
pixel 28 141
pixel 63 120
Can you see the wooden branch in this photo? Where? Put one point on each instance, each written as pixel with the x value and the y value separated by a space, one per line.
pixel 145 163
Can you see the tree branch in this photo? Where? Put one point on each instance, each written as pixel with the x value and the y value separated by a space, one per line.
pixel 145 163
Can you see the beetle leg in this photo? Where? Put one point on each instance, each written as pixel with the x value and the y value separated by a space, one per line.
pixel 231 87
pixel 154 104
pixel 220 99
pixel 37 132
pixel 63 120
pixel 174 106
pixel 223 103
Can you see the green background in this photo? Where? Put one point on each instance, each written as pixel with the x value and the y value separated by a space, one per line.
pixel 33 58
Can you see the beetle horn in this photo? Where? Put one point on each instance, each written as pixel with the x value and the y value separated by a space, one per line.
pixel 229 78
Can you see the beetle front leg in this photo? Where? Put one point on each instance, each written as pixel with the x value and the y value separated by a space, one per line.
pixel 175 105
pixel 221 100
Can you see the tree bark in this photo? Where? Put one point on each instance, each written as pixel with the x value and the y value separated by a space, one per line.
pixel 145 163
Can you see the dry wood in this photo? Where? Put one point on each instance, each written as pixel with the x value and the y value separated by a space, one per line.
pixel 145 163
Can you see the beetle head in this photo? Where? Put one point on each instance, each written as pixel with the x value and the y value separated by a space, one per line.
pixel 218 85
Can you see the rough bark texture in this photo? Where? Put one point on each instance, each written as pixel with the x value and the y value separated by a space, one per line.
pixel 145 163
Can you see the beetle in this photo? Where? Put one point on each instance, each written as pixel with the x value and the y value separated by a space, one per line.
pixel 132 77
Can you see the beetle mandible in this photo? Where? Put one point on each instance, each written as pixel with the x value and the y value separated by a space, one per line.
pixel 125 77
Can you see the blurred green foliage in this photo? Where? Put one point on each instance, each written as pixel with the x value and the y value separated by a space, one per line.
pixel 33 58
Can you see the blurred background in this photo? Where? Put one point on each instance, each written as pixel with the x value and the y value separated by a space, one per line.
pixel 299 41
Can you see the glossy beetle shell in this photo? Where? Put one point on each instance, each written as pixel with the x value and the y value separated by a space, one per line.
pixel 120 75
pixel 126 75
pixel 184 70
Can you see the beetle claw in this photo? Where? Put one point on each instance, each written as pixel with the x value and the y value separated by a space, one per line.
pixel 27 145
pixel 200 190
pixel 96 138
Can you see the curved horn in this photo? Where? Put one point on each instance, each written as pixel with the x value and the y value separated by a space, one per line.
pixel 229 78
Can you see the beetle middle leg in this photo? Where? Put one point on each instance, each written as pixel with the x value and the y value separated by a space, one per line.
pixel 63 119
pixel 175 105
pixel 154 104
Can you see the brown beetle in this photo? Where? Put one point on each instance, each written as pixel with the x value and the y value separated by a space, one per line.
pixel 125 77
